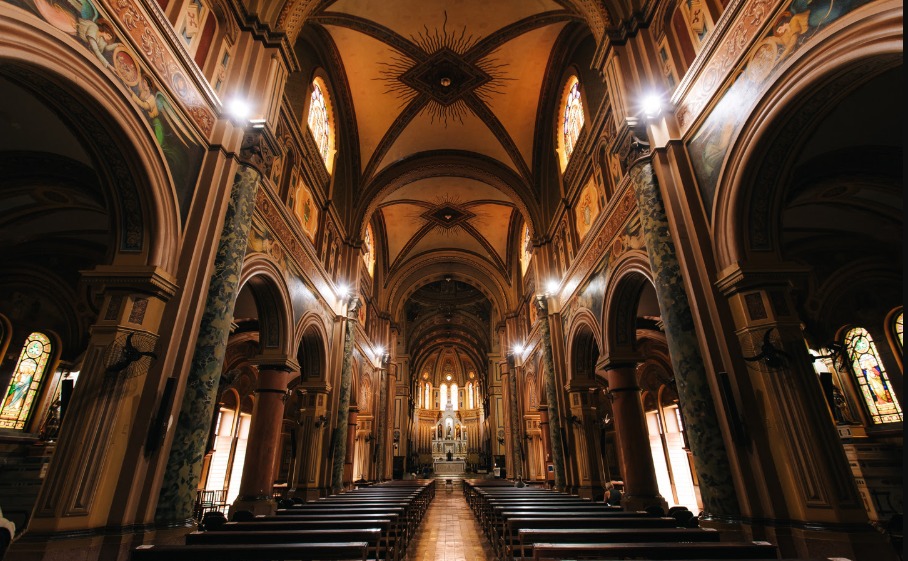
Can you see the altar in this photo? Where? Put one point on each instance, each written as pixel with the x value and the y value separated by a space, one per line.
pixel 449 440
pixel 450 467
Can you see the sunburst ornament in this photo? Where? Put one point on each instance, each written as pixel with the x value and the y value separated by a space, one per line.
pixel 447 74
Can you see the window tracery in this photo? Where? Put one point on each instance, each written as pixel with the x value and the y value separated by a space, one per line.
pixel 23 387
pixel 873 381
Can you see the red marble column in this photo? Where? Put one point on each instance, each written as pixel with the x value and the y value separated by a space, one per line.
pixel 546 444
pixel 640 487
pixel 264 442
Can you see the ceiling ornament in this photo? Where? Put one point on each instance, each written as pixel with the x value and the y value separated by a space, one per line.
pixel 447 213
pixel 447 75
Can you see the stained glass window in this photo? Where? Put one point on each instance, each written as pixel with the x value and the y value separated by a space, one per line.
pixel 470 395
pixel 428 396
pixel 455 397
pixel 27 376
pixel 871 377
pixel 320 124
pixel 369 249
pixel 526 249
pixel 573 118
pixel 443 396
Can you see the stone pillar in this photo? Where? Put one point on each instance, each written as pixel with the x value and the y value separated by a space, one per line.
pixel 588 455
pixel 352 417
pixel 310 441
pixel 640 487
pixel 551 393
pixel 546 444
pixel 514 414
pixel 264 441
pixel 705 436
pixel 184 465
pixel 343 400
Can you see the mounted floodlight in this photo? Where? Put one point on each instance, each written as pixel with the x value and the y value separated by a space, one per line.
pixel 551 287
pixel 343 290
pixel 517 349
pixel 651 105
pixel 239 109
pixel 379 350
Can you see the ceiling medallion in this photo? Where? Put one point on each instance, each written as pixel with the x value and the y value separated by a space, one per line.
pixel 447 215
pixel 447 74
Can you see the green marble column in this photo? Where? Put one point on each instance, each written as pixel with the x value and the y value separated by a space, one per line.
pixel 551 394
pixel 343 401
pixel 701 424
pixel 516 444
pixel 184 465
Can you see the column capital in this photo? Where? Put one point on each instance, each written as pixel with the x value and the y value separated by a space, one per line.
pixel 147 279
pixel 738 278
pixel 616 360
pixel 631 143
pixel 280 363
pixel 259 148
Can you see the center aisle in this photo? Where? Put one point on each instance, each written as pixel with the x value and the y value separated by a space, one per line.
pixel 449 532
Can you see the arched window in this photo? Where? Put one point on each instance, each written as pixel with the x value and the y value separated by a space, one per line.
pixel 470 403
pixel 442 396
pixel 455 397
pixel 871 377
pixel 897 327
pixel 526 249
pixel 23 387
pixel 320 121
pixel 427 401
pixel 571 120
pixel 369 249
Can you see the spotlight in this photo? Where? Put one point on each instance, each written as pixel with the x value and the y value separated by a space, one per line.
pixel 379 350
pixel 239 109
pixel 343 291
pixel 652 105
pixel 551 287
pixel 517 349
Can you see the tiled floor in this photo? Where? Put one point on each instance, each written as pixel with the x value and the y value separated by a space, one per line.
pixel 449 532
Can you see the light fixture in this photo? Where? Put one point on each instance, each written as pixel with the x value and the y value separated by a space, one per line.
pixel 651 105
pixel 379 350
pixel 239 109
pixel 343 290
pixel 551 287
pixel 517 349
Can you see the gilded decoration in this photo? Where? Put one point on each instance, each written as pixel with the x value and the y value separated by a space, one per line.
pixel 587 208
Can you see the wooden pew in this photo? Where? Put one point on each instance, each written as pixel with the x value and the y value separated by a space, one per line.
pixel 252 552
pixel 394 532
pixel 372 536
pixel 528 538
pixel 656 550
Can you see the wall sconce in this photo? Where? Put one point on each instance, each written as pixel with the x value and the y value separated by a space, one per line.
pixel 770 356
pixel 321 421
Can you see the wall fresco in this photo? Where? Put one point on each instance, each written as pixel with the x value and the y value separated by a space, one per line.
pixel 794 25
pixel 93 27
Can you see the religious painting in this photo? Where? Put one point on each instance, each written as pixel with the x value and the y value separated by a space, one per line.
pixel 526 250
pixel 794 25
pixel 587 208
pixel 306 210
pixel 88 24
pixel 369 249
pixel 572 119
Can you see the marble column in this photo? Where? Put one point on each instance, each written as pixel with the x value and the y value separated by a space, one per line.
pixel 352 418
pixel 184 465
pixel 264 441
pixel 640 487
pixel 382 422
pixel 343 400
pixel 705 436
pixel 551 393
pixel 509 383
pixel 546 442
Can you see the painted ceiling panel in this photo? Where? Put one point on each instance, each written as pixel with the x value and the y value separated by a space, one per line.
pixel 440 239
pixel 411 18
pixel 402 221
pixel 424 133
pixel 518 93
pixel 492 221
pixel 364 60
pixel 438 189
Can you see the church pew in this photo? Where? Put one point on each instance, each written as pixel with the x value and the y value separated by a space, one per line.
pixel 526 539
pixel 406 521
pixel 377 549
pixel 508 537
pixel 491 514
pixel 252 552
pixel 497 518
pixel 656 550
pixel 389 536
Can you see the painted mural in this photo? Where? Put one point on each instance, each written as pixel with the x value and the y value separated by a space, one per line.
pixel 794 25
pixel 306 210
pixel 93 28
pixel 591 295
pixel 587 209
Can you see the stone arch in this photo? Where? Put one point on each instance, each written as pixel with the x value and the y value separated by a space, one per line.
pixel 312 341
pixel 131 166
pixel 856 48
pixel 584 347
pixel 272 300
pixel 627 282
